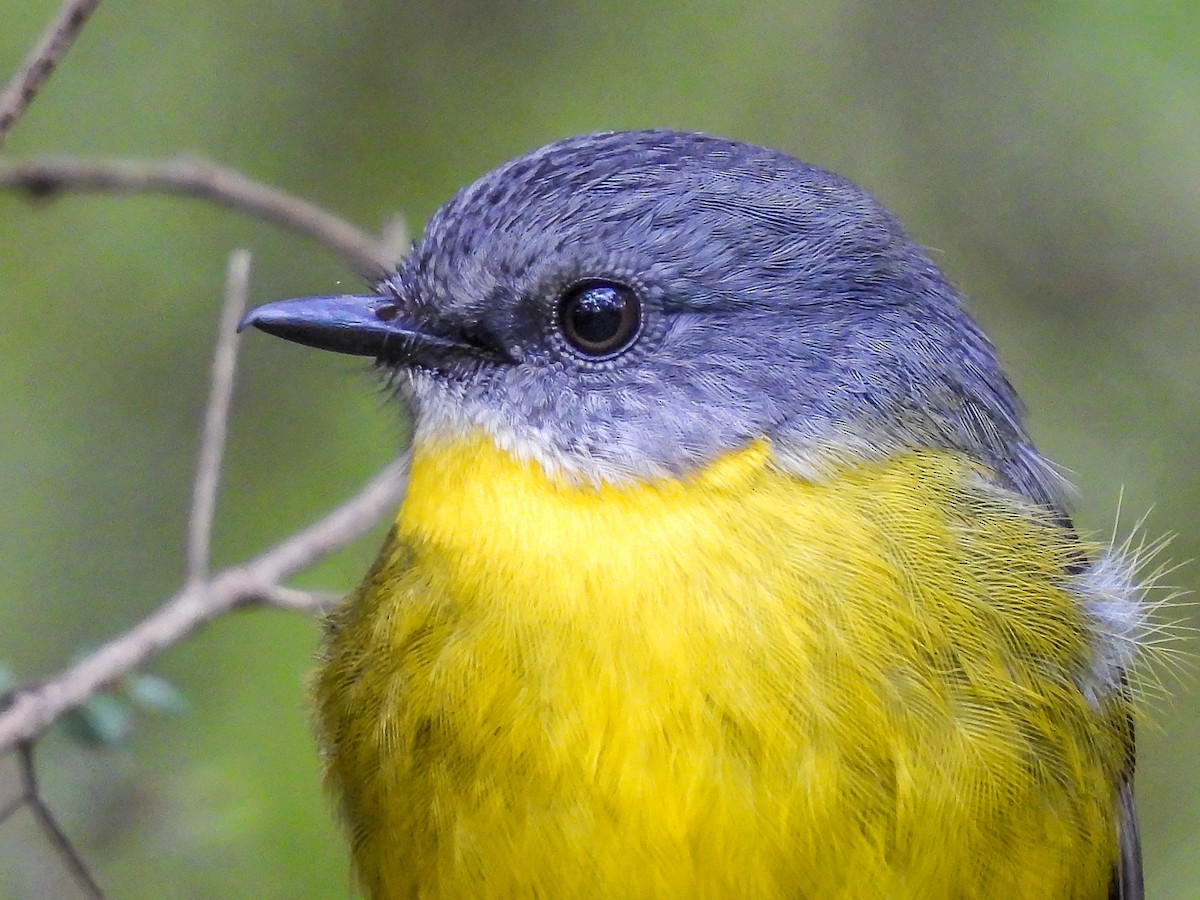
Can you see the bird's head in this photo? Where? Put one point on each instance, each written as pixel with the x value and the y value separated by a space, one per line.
pixel 631 305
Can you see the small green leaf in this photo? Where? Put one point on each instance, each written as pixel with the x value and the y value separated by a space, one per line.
pixel 103 721
pixel 156 694
pixel 7 680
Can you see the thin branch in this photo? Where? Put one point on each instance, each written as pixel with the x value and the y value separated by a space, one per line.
pixel 41 62
pixel 9 808
pixel 306 548
pixel 50 827
pixel 33 710
pixel 216 418
pixel 396 237
pixel 195 177
pixel 307 602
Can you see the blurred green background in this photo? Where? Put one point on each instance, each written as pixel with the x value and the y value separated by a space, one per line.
pixel 1048 152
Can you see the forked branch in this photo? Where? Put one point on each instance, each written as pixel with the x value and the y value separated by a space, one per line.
pixel 32 710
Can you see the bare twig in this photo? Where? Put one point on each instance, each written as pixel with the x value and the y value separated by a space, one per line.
pixel 35 709
pixel 308 602
pixel 195 177
pixel 42 61
pixel 45 819
pixel 216 418
pixel 7 810
pixel 396 237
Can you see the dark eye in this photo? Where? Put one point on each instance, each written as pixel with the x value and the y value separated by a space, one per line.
pixel 600 318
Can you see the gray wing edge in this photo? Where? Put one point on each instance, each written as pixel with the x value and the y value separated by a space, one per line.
pixel 1127 878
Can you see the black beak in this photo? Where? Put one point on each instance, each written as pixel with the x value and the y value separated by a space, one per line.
pixel 363 326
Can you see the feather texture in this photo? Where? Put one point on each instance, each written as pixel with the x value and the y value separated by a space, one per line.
pixel 736 684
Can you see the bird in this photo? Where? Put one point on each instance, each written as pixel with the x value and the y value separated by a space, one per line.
pixel 727 567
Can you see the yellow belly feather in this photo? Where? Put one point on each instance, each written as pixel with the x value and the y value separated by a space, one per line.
pixel 743 684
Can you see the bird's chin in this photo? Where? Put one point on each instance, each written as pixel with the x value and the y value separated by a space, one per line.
pixel 438 403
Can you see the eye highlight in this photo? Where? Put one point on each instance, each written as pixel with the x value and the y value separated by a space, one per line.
pixel 600 318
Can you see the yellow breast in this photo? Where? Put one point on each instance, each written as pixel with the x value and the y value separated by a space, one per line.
pixel 742 684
